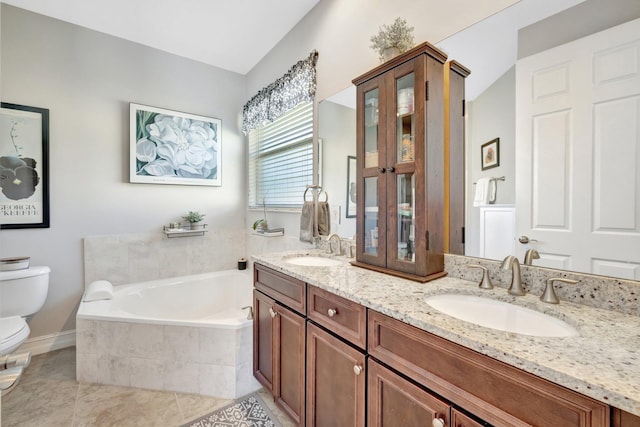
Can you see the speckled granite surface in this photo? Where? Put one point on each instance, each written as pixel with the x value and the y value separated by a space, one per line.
pixel 603 362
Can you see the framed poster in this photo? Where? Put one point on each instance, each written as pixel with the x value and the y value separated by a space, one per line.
pixel 169 147
pixel 24 166
pixel 351 187
pixel 490 152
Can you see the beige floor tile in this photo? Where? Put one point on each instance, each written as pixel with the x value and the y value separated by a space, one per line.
pixel 193 406
pixel 100 405
pixel 46 393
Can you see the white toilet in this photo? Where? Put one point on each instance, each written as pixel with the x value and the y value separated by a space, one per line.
pixel 22 293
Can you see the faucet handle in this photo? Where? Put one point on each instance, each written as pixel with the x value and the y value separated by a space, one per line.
pixel 485 282
pixel 549 294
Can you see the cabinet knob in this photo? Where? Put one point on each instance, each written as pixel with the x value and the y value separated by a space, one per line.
pixel 357 369
pixel 332 312
pixel 438 422
pixel 272 312
pixel 381 170
pixel 391 169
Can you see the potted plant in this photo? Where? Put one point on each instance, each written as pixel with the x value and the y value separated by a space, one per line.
pixel 393 39
pixel 193 218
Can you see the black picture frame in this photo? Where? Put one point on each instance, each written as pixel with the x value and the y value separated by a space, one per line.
pixel 24 166
pixel 351 187
pixel 490 152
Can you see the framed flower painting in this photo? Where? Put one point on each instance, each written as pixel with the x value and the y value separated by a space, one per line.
pixel 24 166
pixel 170 147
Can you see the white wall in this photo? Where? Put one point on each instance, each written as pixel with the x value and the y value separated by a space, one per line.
pixel 340 31
pixel 337 129
pixel 491 115
pixel 86 79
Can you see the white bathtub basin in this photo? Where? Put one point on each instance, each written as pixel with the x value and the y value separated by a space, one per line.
pixel 501 315
pixel 312 261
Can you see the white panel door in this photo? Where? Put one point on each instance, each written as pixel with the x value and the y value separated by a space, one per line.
pixel 578 153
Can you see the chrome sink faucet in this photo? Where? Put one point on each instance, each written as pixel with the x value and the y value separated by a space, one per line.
pixel 331 236
pixel 511 262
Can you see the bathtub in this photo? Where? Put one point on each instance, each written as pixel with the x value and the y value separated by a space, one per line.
pixel 185 334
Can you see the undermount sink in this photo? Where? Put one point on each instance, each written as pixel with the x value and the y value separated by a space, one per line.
pixel 312 261
pixel 501 315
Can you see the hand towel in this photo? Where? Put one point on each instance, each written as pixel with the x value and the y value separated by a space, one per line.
pixel 98 290
pixel 324 219
pixel 306 222
pixel 481 196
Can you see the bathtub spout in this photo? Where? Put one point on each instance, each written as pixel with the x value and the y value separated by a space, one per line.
pixel 250 313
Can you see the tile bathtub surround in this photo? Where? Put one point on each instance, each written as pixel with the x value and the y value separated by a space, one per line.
pixel 131 258
pixel 49 395
pixel 608 293
pixel 608 340
pixel 169 358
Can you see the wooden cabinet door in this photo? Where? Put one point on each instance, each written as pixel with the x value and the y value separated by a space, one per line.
pixel 395 402
pixel 263 326
pixel 279 354
pixel 289 352
pixel 335 381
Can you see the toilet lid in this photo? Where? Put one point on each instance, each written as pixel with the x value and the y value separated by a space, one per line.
pixel 10 327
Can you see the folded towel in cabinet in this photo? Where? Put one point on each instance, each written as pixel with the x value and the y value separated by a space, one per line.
pixel 306 222
pixel 98 290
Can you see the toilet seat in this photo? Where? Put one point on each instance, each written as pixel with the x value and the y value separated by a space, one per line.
pixel 13 332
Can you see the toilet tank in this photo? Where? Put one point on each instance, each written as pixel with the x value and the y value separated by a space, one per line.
pixel 23 292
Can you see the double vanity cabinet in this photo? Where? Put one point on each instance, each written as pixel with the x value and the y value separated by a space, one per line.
pixel 330 361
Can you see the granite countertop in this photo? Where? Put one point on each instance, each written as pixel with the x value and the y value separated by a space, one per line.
pixel 603 362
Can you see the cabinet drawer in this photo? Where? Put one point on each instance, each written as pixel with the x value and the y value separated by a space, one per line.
pixel 346 318
pixel 494 391
pixel 282 288
pixel 458 419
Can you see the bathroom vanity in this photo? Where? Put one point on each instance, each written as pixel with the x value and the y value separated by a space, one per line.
pixel 345 346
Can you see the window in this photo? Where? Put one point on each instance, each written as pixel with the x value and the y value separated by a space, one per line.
pixel 281 159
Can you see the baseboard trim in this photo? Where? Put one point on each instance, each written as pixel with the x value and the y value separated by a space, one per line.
pixel 47 343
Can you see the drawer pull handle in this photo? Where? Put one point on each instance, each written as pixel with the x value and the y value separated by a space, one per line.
pixel 438 422
pixel 272 312
pixel 357 369
pixel 332 312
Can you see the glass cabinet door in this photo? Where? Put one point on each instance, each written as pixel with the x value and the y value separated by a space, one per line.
pixel 371 226
pixel 406 194
pixel 405 127
pixel 371 116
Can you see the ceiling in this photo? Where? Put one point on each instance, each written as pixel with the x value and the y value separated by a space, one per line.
pixel 488 48
pixel 231 34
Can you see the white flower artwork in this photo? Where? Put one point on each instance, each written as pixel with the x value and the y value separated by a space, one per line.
pixel 169 147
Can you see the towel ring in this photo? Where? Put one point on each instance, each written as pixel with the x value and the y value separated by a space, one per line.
pixel 304 196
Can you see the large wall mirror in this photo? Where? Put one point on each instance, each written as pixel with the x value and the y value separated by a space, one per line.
pixel 562 79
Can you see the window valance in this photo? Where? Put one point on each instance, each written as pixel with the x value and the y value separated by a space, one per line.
pixel 296 86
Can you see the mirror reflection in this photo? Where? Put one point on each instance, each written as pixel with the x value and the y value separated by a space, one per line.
pixel 571 188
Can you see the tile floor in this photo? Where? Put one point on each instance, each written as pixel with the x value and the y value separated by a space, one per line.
pixel 49 396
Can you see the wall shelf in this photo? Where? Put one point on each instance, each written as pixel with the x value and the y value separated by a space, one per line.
pixel 185 230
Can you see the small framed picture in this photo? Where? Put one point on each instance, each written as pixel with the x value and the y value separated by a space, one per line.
pixel 24 166
pixel 351 187
pixel 490 152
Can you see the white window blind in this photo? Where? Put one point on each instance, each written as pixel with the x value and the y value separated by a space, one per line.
pixel 281 159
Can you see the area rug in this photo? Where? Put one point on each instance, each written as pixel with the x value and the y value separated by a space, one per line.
pixel 249 411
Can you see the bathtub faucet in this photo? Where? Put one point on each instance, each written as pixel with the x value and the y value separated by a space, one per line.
pixel 250 313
